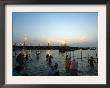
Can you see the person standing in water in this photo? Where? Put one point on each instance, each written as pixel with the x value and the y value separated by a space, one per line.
pixel 91 62
pixel 50 59
pixel 53 70
pixel 74 68
pixel 67 63
pixel 20 59
pixel 26 58
pixel 47 56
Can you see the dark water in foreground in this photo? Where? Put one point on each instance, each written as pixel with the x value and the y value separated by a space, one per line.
pixel 38 66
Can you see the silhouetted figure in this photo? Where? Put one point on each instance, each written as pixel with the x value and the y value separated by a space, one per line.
pixel 26 58
pixel 37 52
pixel 50 59
pixel 47 56
pixel 96 58
pixel 53 70
pixel 20 59
pixel 91 62
pixel 67 63
pixel 37 57
pixel 18 71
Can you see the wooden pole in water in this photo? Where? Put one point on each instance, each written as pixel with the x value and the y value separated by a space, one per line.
pixel 15 50
pixel 73 53
pixel 81 54
pixel 70 54
pixel 96 56
pixel 88 56
pixel 96 53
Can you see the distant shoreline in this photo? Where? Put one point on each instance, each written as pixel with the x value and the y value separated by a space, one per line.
pixel 66 48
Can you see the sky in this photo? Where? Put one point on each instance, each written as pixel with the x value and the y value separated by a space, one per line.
pixel 74 29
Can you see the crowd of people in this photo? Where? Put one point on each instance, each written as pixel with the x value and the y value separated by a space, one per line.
pixel 21 61
pixel 91 62
pixel 71 65
pixel 53 70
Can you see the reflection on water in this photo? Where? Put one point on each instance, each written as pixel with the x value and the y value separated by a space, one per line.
pixel 37 65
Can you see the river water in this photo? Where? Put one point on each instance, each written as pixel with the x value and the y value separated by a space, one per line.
pixel 37 65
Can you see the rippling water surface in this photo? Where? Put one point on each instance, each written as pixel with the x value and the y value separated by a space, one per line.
pixel 38 66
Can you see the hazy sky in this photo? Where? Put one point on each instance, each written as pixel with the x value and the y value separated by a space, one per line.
pixel 76 29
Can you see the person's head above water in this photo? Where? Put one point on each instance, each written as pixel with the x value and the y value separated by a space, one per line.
pixel 26 55
pixel 92 57
pixel 66 56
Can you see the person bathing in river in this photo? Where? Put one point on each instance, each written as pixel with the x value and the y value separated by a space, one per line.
pixel 47 56
pixel 20 59
pixel 50 59
pixel 91 62
pixel 26 58
pixel 37 52
pixel 19 71
pixel 67 63
pixel 74 68
pixel 53 70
